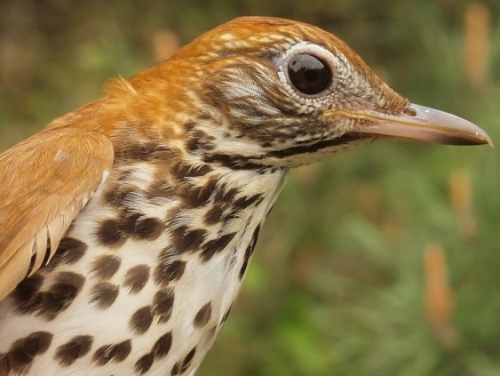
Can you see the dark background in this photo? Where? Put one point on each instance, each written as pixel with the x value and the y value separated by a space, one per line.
pixel 383 261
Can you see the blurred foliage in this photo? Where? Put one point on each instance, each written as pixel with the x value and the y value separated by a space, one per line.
pixel 379 262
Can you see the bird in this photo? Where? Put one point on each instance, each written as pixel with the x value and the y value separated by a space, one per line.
pixel 127 226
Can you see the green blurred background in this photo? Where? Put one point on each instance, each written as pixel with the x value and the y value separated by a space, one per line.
pixel 383 261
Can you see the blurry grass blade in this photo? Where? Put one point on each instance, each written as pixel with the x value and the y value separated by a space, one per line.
pixel 461 202
pixel 439 299
pixel 476 50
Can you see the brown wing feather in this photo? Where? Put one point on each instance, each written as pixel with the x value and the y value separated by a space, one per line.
pixel 45 181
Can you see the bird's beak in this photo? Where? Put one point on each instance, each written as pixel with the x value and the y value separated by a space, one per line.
pixel 417 123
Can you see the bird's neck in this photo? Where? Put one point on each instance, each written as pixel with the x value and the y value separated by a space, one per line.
pixel 205 208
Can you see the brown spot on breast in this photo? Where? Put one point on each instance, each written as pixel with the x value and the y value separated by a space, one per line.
pixel 77 347
pixel 117 194
pixel 183 170
pixel 160 188
pixel 181 366
pixel 185 239
pixel 249 252
pixel 60 294
pixel 20 356
pixel 168 271
pixel 144 363
pixel 140 227
pixel 160 349
pixel 213 215
pixel 189 357
pixel 234 161
pixel 163 304
pixel 216 245
pixel 200 140
pixel 126 223
pixel 245 202
pixel 28 299
pixel 225 194
pixel 195 196
pixel 204 116
pixel 136 278
pixel 35 344
pixel 162 346
pixel 141 320
pixel 103 294
pixel 104 267
pixel 203 315
pixel 70 251
pixel 116 353
pixel 25 298
pixel 5 365
pixel 148 228
pixel 109 233
pixel 189 126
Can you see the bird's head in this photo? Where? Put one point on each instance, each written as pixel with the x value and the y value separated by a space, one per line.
pixel 272 92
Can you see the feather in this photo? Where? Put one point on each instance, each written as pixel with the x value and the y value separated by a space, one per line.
pixel 46 179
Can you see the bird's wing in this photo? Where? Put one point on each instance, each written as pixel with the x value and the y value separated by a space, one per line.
pixel 45 182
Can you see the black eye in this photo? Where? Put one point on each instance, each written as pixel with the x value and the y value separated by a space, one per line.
pixel 309 74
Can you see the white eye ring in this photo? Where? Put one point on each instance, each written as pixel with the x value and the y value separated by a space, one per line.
pixel 306 82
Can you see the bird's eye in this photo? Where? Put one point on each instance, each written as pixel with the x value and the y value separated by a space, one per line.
pixel 309 74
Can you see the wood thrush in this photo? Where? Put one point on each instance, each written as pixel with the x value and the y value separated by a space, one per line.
pixel 127 225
